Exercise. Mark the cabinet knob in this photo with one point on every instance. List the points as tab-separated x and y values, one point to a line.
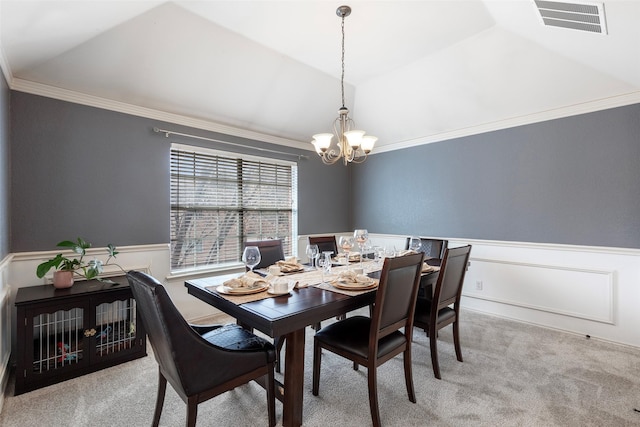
89	332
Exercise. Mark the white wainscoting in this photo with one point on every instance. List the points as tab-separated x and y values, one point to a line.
5	327
545	287
585	290
592	291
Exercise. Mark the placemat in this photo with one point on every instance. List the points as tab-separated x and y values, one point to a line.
308	278
241	299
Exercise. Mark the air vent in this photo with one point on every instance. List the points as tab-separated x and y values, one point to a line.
575	16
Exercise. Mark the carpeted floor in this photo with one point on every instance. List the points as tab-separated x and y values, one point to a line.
514	374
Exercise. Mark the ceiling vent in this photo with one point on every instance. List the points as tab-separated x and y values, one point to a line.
576	16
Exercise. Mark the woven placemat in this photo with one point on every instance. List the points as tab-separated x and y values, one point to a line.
241	299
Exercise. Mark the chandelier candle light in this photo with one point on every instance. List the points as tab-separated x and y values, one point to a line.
353	145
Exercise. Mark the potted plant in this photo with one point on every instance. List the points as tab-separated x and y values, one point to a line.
66	267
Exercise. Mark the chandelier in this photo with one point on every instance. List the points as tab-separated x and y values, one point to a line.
352	145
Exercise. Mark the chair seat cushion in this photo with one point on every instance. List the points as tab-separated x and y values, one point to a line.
423	313
234	337
352	335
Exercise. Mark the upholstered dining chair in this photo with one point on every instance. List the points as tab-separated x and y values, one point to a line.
433	315
325	243
271	251
372	341
200	362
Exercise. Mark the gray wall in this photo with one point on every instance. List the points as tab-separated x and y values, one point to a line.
83	171
80	171
5	169
574	180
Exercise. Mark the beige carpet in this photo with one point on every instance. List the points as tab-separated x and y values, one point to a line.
514	374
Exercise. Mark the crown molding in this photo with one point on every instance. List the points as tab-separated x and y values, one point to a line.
108	104
556	113
149	113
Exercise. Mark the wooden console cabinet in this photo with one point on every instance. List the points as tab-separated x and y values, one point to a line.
65	333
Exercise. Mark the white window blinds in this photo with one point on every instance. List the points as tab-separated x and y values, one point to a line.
220	201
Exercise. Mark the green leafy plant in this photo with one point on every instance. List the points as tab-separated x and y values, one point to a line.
88	270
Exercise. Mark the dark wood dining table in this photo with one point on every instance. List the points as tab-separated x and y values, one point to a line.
285	316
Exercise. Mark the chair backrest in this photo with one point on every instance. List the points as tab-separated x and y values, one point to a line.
432	248
271	251
325	243
451	277
162	321
396	296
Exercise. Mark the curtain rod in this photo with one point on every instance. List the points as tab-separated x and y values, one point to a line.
170	132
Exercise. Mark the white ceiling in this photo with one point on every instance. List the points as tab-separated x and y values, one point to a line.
415	72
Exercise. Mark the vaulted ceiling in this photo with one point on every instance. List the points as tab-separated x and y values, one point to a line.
415	71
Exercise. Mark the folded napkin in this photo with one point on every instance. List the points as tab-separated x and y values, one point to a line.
407	252
289	265
350	277
354	256
426	267
249	280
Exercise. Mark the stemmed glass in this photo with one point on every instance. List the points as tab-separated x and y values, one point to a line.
251	257
324	263
378	254
361	237
312	253
415	243
346	243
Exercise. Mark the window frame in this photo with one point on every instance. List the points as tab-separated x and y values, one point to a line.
230	155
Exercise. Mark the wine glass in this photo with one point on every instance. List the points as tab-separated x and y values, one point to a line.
324	263
346	243
312	253
415	243
361	237
251	257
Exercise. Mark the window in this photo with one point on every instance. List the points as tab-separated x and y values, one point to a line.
220	200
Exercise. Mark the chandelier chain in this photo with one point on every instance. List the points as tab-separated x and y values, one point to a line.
342	76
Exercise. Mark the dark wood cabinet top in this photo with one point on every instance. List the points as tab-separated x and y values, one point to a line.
31	294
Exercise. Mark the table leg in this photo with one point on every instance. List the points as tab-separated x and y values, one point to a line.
293	379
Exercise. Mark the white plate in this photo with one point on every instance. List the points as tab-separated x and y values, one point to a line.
240	291
350	286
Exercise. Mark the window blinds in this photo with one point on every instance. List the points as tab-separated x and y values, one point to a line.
219	202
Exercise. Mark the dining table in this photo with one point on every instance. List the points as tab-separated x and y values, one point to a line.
311	301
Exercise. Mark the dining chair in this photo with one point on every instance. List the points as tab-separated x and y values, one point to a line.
325	243
432	248
433	315
271	251
372	341
200	362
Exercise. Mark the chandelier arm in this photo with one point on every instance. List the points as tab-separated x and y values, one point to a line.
330	157
360	159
